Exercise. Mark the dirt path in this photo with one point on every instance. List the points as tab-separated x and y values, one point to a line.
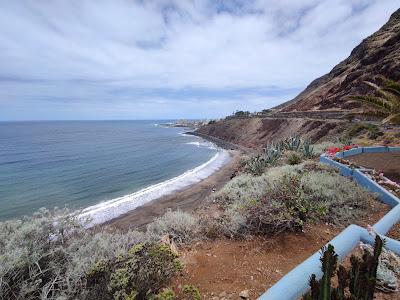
221	269
187	199
388	163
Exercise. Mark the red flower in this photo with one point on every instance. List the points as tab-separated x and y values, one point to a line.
332	150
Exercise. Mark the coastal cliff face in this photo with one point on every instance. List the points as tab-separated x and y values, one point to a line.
377	56
257	132
319	111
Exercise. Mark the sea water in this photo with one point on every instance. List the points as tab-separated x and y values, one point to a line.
104	167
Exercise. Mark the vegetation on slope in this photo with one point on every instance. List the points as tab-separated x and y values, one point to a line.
51	256
385	102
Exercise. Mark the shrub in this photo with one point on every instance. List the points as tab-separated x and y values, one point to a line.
241	190
141	272
191	292
182	227
372	130
285	207
166	294
287	197
51	255
342	198
293	158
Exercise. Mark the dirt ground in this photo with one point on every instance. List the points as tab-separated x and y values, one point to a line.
388	163
394	233
221	269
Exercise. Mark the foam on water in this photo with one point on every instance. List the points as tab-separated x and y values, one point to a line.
202	144
114	208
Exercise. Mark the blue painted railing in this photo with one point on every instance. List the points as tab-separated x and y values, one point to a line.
294	284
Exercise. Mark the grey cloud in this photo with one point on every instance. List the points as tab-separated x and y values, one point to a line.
126	53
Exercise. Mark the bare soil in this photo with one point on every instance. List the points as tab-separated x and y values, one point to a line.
394	233
388	163
223	268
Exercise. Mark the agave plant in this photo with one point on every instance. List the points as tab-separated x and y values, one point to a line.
273	152
308	148
256	165
385	101
292	143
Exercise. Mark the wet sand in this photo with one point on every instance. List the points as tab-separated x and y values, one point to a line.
186	199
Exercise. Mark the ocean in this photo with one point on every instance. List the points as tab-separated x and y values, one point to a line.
103	167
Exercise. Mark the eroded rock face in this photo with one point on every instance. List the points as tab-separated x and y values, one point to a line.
377	56
257	132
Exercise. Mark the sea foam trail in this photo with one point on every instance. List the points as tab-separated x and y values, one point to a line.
114	208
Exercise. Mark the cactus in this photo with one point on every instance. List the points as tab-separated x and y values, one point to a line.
360	280
329	263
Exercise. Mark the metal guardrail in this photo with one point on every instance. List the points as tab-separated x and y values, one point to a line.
294	284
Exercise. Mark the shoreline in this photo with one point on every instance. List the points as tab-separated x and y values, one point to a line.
186	199
221	143
109	210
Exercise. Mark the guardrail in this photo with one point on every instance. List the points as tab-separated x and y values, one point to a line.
294	284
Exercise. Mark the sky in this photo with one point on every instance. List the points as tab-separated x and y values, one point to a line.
160	59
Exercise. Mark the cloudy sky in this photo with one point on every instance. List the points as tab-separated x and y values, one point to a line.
159	59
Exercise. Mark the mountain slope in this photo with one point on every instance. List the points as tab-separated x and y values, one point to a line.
318	112
377	56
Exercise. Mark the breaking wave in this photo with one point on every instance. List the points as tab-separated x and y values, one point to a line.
114	208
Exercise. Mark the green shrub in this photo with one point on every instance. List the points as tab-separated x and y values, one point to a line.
191	292
51	255
293	158
166	294
371	130
142	272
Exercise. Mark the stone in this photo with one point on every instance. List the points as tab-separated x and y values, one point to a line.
222	295
244	294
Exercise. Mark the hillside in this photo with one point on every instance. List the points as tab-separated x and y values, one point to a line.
377	56
319	111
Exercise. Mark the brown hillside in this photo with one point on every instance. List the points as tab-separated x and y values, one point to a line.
377	56
257	132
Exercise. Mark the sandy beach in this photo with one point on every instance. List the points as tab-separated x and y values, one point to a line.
186	199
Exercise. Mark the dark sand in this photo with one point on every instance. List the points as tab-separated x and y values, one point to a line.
388	163
186	199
